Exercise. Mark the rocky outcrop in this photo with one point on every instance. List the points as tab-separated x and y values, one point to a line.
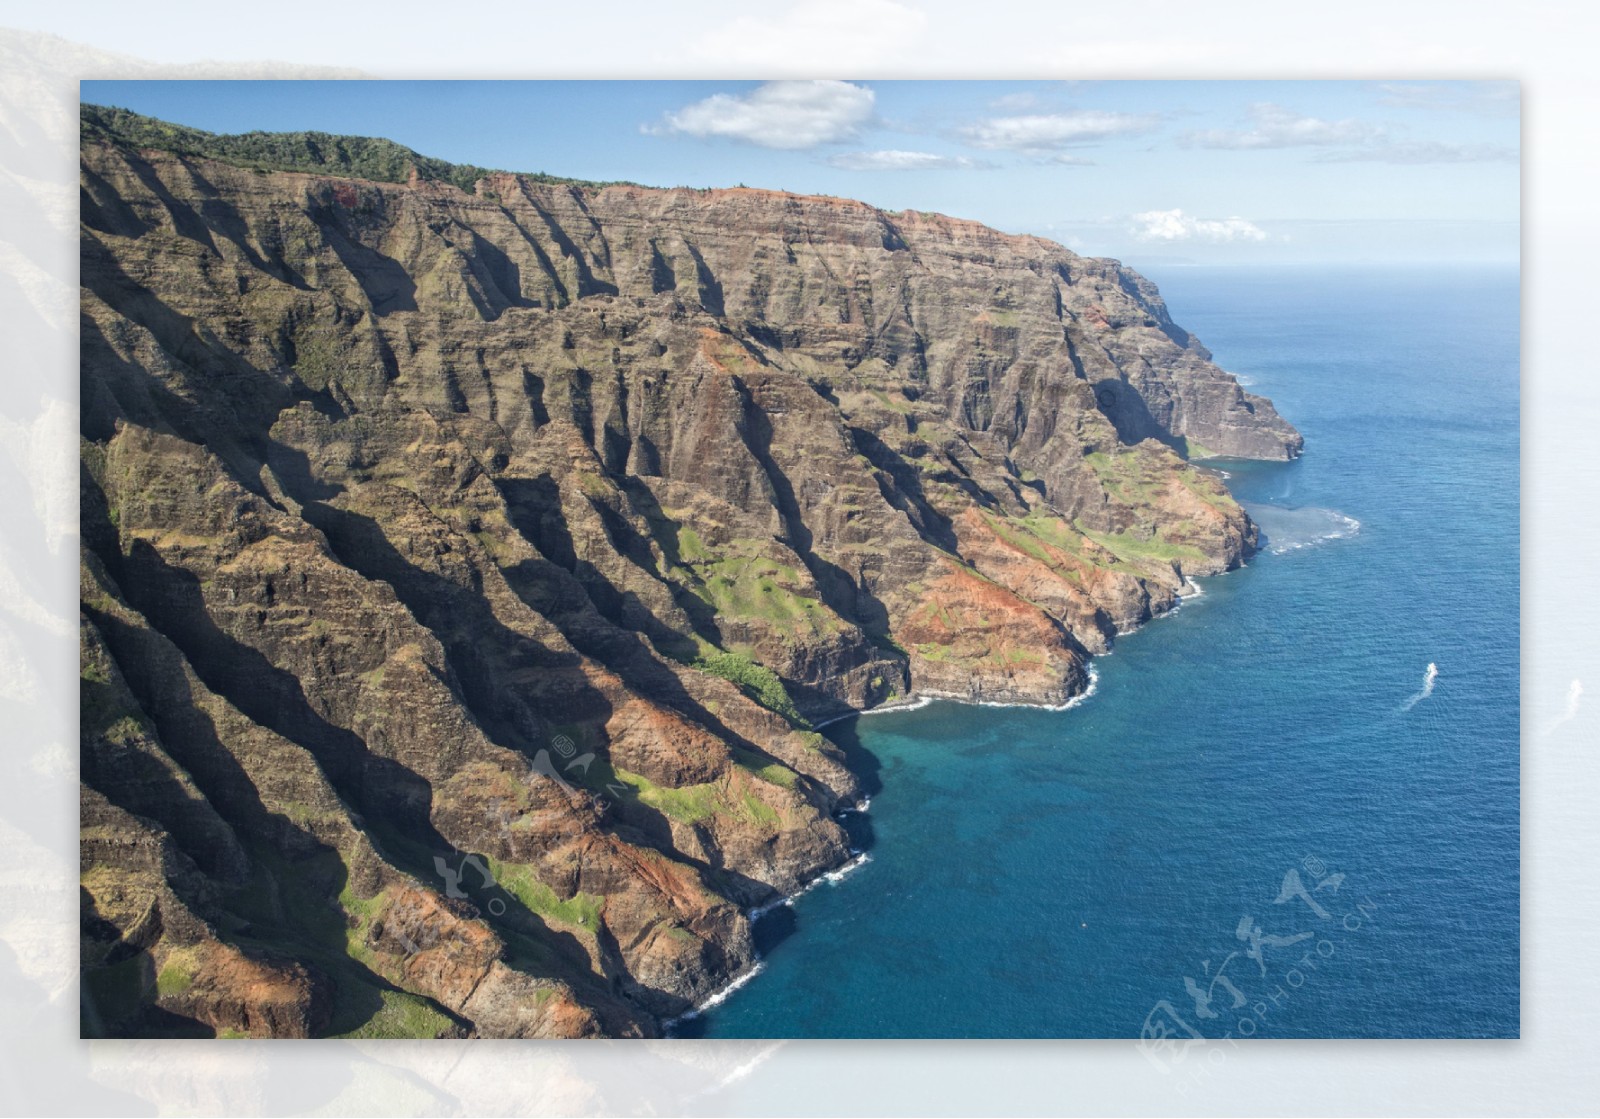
464	569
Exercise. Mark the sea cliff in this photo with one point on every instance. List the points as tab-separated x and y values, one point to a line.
468	556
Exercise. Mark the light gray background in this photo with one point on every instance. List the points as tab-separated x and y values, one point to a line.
45	1070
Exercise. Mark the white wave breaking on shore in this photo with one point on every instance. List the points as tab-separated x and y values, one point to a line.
922	699
722	994
831	877
860	807
717	997
1092	674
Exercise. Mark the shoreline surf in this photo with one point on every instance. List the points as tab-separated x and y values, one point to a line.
1191	588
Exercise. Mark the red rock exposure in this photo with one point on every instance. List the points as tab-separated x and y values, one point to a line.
467	557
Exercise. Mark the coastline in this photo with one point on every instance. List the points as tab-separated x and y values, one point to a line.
543	514
922	699
833	875
952	757
918	698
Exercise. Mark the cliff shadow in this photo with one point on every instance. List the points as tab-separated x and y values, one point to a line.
774	927
293	466
171	600
1130	414
218	214
867	767
907	495
241	401
645	825
116	994
533	507
286	902
709	287
553	275
291	907
533	945
664	532
587	282
490	665
138	783
500	275
842	593
185	222
382	279
485	659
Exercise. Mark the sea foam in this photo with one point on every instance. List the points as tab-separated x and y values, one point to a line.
1286	529
922	699
716	998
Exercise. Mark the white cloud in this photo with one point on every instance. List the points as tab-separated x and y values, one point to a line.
1277	127
904	161
1488	97
776	115
1043	132
1425	151
1015	102
1174	225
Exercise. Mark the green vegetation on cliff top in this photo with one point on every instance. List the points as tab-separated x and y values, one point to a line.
353	157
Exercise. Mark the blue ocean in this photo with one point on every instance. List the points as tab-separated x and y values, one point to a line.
1288	810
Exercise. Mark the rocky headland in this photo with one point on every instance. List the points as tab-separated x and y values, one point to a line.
468	556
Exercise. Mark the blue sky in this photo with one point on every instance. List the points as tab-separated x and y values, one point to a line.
1207	171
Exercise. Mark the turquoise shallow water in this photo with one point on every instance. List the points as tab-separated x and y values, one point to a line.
1061	874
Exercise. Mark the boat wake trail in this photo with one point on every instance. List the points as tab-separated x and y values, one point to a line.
1428	678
